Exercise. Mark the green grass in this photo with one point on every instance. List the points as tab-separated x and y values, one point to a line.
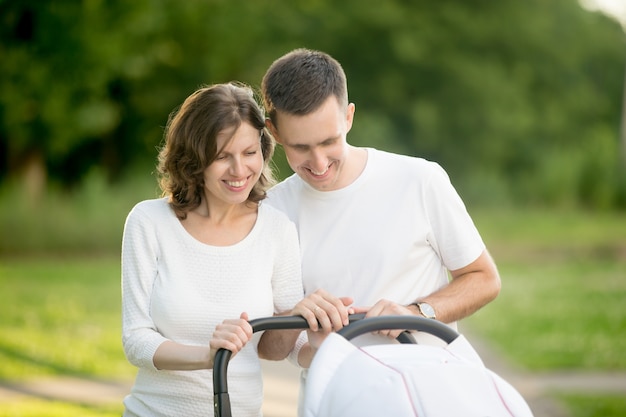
41	408
564	282
595	405
559	316
563	286
61	316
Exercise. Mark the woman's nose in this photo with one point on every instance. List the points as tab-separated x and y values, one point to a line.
236	166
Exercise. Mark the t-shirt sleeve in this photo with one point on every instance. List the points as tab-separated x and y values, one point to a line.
454	234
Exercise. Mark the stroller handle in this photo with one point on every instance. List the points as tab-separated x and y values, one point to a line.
422	324
221	399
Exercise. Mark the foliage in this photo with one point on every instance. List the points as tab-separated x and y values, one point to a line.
88	219
525	95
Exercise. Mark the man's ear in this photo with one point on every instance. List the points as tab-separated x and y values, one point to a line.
350	116
270	126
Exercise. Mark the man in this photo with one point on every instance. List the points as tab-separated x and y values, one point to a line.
388	230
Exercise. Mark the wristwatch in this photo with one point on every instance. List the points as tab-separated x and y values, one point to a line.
425	309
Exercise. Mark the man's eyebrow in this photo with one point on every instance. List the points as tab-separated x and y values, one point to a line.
326	141
331	139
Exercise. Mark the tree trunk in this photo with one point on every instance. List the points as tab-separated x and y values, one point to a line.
34	175
623	124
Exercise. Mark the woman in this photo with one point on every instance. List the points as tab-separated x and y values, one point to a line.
205	258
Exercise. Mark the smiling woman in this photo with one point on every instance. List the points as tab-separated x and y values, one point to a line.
200	262
197	136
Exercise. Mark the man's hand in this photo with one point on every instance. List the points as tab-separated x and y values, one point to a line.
386	308
324	309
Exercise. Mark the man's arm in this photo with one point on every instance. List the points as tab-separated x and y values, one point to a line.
471	288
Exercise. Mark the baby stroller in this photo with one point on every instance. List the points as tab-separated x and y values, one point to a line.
405	379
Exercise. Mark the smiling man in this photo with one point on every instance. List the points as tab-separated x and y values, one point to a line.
388	230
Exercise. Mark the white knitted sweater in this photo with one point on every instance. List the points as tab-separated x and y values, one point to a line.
177	288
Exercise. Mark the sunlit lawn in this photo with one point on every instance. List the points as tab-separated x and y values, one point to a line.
42	408
61	316
561	305
563	291
564	284
553	315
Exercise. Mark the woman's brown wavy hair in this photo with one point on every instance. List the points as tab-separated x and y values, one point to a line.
191	142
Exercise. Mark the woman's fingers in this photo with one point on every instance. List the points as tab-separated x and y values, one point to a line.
232	334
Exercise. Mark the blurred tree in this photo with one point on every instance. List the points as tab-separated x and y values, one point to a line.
504	94
616	10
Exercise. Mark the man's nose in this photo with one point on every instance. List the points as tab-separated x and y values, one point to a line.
318	161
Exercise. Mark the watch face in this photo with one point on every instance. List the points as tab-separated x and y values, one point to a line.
427	310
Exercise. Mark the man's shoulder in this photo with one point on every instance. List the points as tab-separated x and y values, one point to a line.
272	213
284	196
400	162
285	189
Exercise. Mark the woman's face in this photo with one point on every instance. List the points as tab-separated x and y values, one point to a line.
237	168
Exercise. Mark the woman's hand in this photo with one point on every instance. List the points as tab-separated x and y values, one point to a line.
231	334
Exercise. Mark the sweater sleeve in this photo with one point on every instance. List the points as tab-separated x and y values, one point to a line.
140	254
287	280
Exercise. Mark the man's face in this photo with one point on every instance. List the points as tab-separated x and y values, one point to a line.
315	144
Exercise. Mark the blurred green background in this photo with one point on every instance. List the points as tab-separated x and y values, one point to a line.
520	101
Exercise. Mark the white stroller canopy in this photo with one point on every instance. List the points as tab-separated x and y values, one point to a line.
406	380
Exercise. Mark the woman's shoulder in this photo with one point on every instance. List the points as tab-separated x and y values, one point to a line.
152	208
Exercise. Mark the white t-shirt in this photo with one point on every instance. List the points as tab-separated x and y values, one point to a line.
393	233
175	287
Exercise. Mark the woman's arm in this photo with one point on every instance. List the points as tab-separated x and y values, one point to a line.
230	334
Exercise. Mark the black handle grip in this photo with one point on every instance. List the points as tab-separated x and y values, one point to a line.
421	324
221	399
